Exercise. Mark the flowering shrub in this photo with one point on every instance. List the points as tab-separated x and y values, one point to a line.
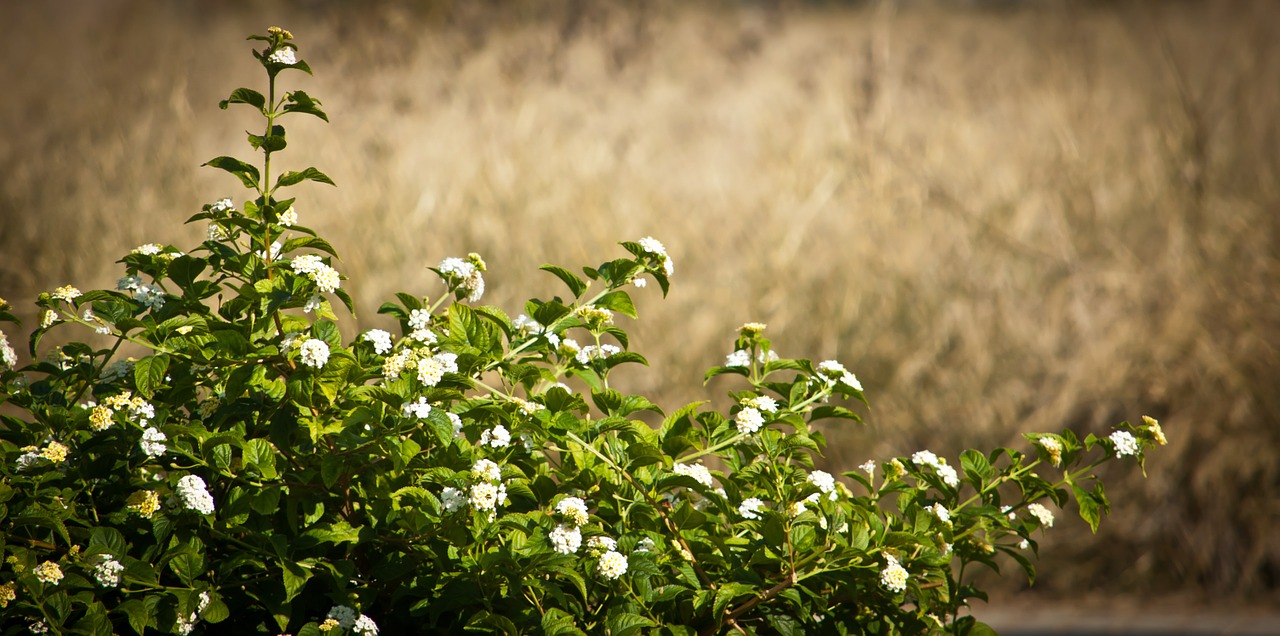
474	472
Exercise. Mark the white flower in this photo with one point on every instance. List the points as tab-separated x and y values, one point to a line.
393	366
327	279
652	246
739	358
893	577
948	474
1042	514
640	282
66	292
456	422
568	348
289	217
574	508
941	512
463	275
108	572
8	357
698	472
487	470
38	627
48	319
1008	511
150	295
924	458
222	205
763	403
527	325
486	497
283	55
869	466
1024	544
419	319
566	539
381	340
765	357
497	437
612	565
825	483
835	372
345	616
195	495
365	626
452	499
796	508
1124	443
153	442
425	336
420	409
1053	447
645	545
216	233
128	283
314	352
592	352
600	544
750	508
749	420
432	370
150	249
48	572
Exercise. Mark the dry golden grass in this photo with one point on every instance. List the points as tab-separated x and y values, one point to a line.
1002	220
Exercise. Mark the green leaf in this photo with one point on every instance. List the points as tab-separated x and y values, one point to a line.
300	102
106	541
576	285
294	178
294	577
557	622
244	96
624	623
248	174
139	615
262	455
619	301
149	373
728	592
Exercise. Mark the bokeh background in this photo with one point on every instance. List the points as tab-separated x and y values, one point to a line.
1004	216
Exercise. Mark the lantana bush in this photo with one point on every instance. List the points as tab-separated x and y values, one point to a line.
226	463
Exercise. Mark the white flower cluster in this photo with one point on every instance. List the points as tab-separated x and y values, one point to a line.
102	327
893	577
108	573
598	545
419	320
941	512
66	292
381	340
8	357
48	572
1053	447
566	538
751	508
834	372
749	420
153	442
698	472
456	422
150	249
869	466
739	358
1042	514
526	325
420	409
431	370
946	472
452	499
222	205
1124	443
825	482
195	495
653	246
573	508
612	565
464	275
314	352
496	437
488	494
348	618
283	55
326	278
150	295
289	218
592	352
763	403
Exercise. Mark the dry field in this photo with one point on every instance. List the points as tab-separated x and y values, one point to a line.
1003	219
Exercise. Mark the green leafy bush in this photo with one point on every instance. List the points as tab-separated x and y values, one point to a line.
252	471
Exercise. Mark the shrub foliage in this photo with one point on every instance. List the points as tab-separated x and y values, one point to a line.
250	470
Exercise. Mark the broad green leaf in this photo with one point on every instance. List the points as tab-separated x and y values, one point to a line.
244	96
293	178
619	301
149	374
247	174
576	285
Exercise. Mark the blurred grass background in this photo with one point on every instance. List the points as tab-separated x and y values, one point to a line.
1004	216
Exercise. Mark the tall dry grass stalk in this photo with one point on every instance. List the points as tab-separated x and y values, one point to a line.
1002	220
